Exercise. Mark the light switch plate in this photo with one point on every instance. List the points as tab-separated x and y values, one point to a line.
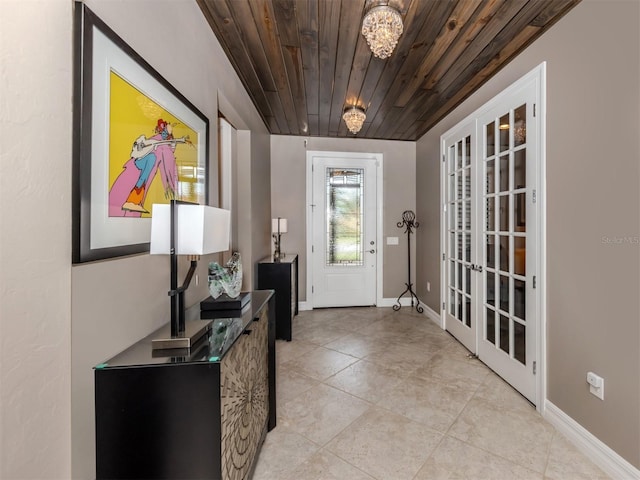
392	240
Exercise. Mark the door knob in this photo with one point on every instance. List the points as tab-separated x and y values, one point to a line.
372	251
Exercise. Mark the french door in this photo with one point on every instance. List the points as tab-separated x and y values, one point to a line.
344	230
459	157
491	251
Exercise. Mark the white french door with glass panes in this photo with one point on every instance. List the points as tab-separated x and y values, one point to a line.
491	166
459	150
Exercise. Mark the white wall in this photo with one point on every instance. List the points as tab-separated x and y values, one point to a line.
592	189
35	239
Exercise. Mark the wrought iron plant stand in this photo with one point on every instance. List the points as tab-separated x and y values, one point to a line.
409	223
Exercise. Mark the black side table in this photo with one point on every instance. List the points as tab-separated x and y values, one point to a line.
281	276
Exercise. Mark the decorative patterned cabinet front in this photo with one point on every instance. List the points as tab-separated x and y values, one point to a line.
282	276
203	414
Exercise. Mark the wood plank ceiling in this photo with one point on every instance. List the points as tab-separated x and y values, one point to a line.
304	61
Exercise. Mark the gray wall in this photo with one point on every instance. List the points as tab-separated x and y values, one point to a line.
288	197
112	304
592	184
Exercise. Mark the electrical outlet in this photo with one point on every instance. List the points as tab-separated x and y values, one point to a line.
197	280
596	385
428	286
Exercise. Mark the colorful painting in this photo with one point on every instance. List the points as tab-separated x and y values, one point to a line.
159	152
137	141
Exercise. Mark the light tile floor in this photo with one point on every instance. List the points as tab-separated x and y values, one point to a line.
369	393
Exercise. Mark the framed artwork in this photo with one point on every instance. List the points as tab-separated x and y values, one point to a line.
137	141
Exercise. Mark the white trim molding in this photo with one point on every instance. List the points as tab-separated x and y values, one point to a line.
432	314
602	455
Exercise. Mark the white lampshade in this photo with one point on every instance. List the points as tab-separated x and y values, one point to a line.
283	225
201	229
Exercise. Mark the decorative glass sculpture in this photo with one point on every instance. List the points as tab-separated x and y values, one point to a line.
226	279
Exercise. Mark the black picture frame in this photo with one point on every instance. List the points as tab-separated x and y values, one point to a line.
97	233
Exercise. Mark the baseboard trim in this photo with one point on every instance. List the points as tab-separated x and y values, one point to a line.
432	314
603	456
386	302
302	306
390	302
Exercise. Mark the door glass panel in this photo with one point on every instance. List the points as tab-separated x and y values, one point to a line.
520	169
491	251
452	214
459	305
344	216
452	273
467	151
491	176
504	293
467	182
504	253
504	173
519	344
459	283
459	216
490	138
491	326
504	132
452	302
452	158
520	212
467	273
504	333
491	288
459	146
504	213
459	193
452	187
520	256
460	239
467	248
491	217
520	125
467	215
452	245
519	299
467	311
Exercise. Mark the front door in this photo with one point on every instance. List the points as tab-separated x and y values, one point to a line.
344	249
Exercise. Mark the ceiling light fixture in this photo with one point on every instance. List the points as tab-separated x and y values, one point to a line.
382	27
354	117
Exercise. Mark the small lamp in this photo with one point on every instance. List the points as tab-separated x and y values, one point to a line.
278	226
182	228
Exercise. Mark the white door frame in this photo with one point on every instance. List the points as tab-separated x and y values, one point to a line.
539	75
378	159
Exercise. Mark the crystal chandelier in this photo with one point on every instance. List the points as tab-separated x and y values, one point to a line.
354	117
382	26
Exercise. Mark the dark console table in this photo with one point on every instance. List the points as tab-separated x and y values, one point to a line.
281	275
200	413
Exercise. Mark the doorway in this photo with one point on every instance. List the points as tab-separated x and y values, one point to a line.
343	256
493	288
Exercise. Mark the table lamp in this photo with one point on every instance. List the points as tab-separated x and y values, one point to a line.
182	228
278	226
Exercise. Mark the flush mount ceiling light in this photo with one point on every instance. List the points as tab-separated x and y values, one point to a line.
354	117
382	27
